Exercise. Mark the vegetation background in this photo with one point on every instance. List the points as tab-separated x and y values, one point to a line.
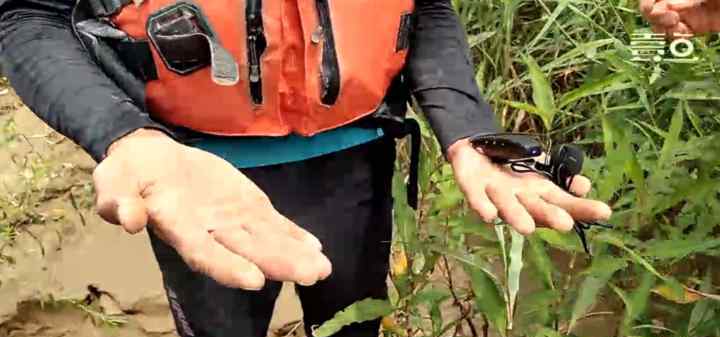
565	70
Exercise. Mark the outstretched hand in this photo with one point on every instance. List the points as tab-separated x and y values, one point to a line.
524	201
218	221
672	17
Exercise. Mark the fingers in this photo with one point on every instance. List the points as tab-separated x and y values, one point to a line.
510	209
578	208
669	17
662	15
679	5
646	6
281	260
580	186
231	214
298	232
546	214
280	248
659	29
204	255
118	198
679	30
481	203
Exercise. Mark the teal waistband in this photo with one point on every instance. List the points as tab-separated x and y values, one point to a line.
246	152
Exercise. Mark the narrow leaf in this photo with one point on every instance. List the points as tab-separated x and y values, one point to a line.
611	239
500	232
565	241
517	242
668	293
523	106
677	249
702	311
365	310
706	90
562	5
602	268
541	261
542	92
614	82
672	137
578	54
637	300
488	297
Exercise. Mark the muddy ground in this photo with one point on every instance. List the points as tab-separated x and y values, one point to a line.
69	273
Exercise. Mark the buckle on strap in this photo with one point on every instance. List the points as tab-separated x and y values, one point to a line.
103	8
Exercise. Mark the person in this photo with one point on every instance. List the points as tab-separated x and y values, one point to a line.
247	137
672	17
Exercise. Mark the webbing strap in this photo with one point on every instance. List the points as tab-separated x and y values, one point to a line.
412	128
398	127
134	54
103	8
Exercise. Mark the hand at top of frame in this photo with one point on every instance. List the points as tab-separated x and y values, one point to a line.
672	17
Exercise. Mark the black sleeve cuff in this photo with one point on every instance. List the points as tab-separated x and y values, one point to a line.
467	117
441	75
106	134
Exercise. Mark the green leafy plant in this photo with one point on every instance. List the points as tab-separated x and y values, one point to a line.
564	69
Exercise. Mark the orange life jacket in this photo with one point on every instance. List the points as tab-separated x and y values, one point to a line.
278	66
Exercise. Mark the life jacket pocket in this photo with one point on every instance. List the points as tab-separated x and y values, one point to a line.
185	42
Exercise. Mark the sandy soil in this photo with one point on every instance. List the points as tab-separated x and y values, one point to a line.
74	276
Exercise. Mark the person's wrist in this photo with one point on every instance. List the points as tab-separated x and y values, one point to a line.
136	137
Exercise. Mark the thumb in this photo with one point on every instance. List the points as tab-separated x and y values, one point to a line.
132	214
118	197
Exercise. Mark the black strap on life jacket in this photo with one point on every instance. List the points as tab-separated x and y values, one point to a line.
104	8
399	127
411	127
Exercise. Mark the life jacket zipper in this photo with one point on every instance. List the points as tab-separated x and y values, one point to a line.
330	70
256	45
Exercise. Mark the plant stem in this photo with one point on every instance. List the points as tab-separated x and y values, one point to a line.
456	301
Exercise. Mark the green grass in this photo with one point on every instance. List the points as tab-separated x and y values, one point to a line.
564	70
